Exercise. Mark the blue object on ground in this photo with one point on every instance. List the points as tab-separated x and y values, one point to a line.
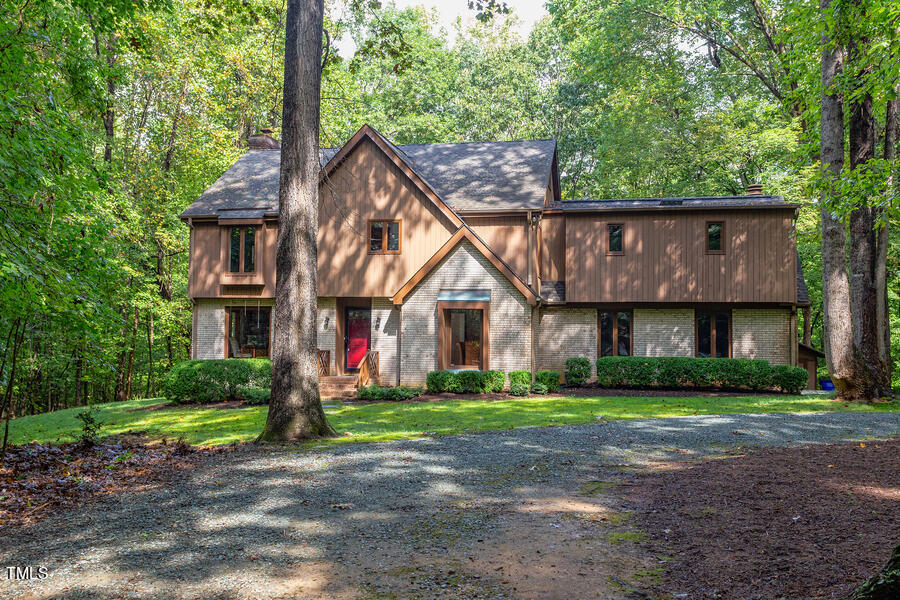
827	385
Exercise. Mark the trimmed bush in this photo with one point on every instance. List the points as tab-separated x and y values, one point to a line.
255	395
539	388
204	381
549	379
376	393
496	381
439	382
471	382
790	379
519	389
578	370
520	378
680	372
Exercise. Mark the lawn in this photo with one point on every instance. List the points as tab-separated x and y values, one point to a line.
394	421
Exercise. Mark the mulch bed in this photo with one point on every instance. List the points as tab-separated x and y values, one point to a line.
804	522
39	479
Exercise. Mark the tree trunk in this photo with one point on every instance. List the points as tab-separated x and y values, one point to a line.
149	392
807	326
839	351
295	409
884	585
130	373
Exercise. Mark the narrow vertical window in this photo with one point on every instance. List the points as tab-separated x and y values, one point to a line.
623	341
249	250
241	250
234	252
615	244
614	333
384	237
713	330
715	233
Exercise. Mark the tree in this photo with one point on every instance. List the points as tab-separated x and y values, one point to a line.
295	408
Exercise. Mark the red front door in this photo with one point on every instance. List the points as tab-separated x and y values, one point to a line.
356	340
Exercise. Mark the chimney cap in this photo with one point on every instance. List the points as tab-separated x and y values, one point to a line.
263	141
755	189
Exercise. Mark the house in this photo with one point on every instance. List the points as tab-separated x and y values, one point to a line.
462	255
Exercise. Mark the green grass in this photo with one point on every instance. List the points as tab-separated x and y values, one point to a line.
395	421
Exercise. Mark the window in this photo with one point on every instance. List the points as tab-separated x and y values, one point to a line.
384	237
713	332
463	335
614	333
715	238
248	332
615	234
242	250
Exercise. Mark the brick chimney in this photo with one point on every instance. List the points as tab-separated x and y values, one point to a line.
754	189
263	141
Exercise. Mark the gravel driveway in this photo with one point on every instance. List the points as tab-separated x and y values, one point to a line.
513	514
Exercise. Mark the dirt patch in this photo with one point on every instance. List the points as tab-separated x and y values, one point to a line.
37	480
806	522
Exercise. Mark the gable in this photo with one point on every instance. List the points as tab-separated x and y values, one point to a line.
366	185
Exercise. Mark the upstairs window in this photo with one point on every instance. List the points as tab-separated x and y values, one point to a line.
384	237
615	233
715	237
713	334
614	333
242	250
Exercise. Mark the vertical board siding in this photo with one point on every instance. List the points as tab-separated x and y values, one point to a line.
368	186
552	232
507	237
665	259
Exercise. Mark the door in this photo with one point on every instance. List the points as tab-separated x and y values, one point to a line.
358	328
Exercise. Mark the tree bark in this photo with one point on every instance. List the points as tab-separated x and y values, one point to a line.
884	585
295	408
839	348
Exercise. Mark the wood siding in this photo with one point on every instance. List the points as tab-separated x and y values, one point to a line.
507	237
209	276
368	186
665	259
552	244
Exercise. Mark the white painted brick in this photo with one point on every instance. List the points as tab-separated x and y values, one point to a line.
565	333
663	332
763	333
209	337
464	268
326	315
385	328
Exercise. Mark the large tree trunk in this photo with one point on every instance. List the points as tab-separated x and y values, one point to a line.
840	354
295	409
884	585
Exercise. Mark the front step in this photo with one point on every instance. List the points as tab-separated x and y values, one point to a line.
337	387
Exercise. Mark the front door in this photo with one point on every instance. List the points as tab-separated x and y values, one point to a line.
358	328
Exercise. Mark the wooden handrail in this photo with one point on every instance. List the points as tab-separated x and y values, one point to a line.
368	369
324	361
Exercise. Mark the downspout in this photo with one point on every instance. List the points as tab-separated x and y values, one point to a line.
399	343
530	226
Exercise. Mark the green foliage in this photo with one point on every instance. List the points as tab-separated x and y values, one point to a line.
439	382
205	381
254	395
399	393
519	389
578	370
90	427
702	373
495	381
521	377
548	379
539	388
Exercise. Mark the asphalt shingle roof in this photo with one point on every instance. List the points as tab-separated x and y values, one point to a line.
467	176
667	203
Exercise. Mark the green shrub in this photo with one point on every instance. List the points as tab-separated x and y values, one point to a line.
549	379
439	382
578	370
679	372
90	427
539	388
472	382
519	389
496	381
520	378
203	381
375	393
254	395
790	379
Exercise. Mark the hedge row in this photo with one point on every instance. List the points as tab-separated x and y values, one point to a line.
203	381
376	393
725	374
465	382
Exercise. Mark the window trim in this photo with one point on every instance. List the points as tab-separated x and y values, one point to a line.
384	237
229	308
615	252
712	332
721	237
444	331
615	311
243	235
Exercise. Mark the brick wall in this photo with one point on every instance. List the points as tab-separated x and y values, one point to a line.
663	332
326	318
385	327
510	315
209	329
565	333
762	333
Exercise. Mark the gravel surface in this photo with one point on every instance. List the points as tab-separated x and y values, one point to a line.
513	514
